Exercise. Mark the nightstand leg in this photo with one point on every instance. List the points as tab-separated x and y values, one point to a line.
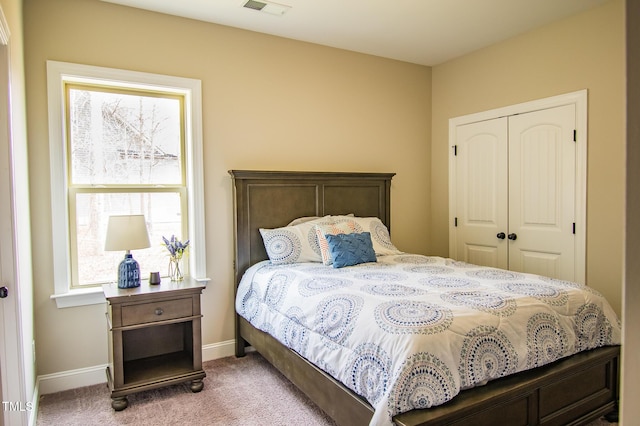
119	403
196	385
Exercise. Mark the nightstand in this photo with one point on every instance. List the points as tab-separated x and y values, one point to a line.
154	337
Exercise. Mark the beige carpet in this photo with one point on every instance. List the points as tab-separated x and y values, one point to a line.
237	391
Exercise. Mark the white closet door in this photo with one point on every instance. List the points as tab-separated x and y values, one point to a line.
481	194
542	171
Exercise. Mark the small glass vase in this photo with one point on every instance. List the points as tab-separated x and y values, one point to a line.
175	269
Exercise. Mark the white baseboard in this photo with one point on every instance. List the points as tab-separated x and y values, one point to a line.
218	350
71	379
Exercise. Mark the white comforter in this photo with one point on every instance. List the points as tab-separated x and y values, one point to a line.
410	331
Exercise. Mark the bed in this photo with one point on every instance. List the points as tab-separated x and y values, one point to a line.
572	390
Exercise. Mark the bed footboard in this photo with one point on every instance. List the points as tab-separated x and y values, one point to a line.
572	391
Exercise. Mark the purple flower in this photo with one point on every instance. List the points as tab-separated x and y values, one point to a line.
175	247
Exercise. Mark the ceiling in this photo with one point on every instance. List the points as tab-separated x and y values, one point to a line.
426	32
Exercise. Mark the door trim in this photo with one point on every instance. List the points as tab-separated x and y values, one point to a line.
11	386
17	389
579	99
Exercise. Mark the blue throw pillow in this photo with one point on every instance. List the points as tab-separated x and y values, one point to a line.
351	249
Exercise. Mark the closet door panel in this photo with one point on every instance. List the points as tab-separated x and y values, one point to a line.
482	192
542	169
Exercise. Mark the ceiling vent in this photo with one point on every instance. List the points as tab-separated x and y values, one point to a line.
267	7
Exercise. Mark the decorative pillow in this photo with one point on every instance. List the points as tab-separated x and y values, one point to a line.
338	226
350	249
382	244
291	244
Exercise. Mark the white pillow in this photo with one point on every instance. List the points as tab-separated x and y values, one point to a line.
292	244
303	219
380	237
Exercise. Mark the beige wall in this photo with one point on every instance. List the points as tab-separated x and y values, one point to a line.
268	103
582	52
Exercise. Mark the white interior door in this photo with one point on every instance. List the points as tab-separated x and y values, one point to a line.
482	185
14	405
542	173
7	304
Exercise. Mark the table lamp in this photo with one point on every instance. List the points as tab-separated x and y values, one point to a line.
127	232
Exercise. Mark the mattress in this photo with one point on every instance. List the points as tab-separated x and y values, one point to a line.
411	331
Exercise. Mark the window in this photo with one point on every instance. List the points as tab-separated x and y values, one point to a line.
121	142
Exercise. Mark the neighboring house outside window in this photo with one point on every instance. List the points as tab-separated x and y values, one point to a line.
121	142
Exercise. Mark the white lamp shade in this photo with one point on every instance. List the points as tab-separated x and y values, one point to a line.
127	232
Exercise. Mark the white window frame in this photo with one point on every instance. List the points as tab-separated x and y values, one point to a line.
59	73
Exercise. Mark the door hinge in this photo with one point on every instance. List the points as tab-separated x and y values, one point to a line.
455	150
575	135
574	227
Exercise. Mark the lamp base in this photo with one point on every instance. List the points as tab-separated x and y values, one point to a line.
128	272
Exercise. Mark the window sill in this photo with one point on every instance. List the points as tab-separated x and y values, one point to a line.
90	296
81	297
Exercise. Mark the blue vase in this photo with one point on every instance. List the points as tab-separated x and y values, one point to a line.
128	272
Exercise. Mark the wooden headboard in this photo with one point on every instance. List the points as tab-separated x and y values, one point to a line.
271	199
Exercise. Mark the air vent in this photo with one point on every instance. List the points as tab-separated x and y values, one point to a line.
267	7
255	5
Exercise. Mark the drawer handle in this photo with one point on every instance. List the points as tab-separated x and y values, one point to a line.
158	311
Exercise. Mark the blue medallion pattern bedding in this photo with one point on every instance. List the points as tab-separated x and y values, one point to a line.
410	332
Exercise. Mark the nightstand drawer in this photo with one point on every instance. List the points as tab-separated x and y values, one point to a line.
156	311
